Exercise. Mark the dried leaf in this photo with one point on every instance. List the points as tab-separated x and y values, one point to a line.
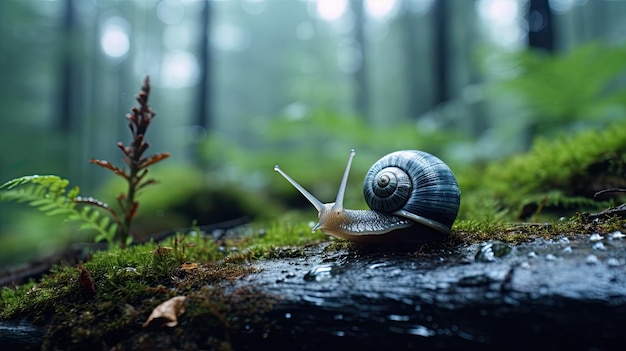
166	314
162	250
153	159
86	282
108	165
189	266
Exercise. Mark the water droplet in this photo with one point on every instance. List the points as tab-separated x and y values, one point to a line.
532	254
127	271
376	265
595	237
398	318
316	300
321	273
550	257
421	331
613	262
287	315
591	259
492	251
339	333
567	249
338	317
599	246
396	272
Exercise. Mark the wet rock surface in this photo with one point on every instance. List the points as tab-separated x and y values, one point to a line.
567	293
563	294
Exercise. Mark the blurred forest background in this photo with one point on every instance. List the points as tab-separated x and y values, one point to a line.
241	85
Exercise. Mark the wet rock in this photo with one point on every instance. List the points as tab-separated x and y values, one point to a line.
562	294
540	295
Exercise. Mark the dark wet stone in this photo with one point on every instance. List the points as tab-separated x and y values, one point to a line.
539	295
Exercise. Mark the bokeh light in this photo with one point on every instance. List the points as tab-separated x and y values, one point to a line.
114	37
331	10
381	9
179	69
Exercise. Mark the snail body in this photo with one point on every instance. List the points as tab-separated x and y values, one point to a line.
413	196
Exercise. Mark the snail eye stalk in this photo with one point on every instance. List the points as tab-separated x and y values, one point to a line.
344	182
312	199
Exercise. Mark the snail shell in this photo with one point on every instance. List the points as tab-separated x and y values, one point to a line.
417	183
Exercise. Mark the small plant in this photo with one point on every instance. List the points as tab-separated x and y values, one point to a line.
49	193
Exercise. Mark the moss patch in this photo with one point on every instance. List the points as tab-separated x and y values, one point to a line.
557	177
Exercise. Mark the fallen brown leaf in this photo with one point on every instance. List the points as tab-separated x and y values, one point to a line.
87	286
189	266
166	314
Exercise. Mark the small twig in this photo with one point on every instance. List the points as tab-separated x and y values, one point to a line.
609	191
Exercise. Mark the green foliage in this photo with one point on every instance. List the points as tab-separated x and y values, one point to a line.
139	120
580	85
49	194
558	175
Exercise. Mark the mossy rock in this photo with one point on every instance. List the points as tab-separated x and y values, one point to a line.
557	177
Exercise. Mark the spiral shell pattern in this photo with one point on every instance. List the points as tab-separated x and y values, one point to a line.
414	181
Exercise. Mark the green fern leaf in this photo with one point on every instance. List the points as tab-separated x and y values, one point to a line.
49	195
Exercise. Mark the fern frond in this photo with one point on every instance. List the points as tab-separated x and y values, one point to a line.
49	195
49	181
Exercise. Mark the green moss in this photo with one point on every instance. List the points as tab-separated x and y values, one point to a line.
129	284
557	177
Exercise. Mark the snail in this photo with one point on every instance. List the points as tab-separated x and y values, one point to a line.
413	195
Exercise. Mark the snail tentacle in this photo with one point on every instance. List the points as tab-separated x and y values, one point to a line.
344	181
312	199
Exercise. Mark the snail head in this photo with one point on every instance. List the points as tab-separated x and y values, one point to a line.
330	215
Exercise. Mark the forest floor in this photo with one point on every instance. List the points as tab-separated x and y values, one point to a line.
567	291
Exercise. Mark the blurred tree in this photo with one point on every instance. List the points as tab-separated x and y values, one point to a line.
204	117
360	74
68	69
540	29
440	50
